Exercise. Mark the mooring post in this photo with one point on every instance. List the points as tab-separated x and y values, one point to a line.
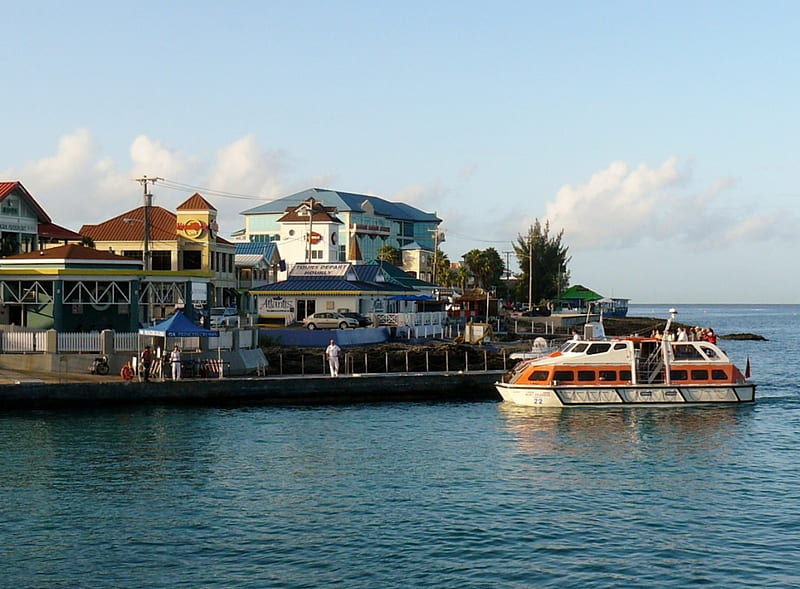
427	364
466	361
366	368
406	360
386	356
485	361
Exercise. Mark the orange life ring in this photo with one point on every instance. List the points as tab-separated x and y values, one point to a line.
127	372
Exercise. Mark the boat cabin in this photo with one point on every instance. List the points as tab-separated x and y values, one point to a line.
629	361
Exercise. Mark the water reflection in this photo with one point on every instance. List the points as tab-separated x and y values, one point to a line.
619	432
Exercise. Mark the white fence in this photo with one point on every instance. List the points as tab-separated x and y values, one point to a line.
79	342
20	342
23	341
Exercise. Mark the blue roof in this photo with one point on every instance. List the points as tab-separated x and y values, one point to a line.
346	202
256	248
314	284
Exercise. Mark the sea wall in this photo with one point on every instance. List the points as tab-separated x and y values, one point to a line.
271	390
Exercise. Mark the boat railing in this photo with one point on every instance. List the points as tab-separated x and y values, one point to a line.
650	369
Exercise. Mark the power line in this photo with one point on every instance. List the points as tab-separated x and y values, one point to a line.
173	185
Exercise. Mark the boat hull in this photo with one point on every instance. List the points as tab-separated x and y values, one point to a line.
576	396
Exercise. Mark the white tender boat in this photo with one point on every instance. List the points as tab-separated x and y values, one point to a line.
628	371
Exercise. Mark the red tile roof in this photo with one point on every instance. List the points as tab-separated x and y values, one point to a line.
51	231
195	203
70	251
129	226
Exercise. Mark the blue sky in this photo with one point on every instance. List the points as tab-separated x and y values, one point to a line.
661	137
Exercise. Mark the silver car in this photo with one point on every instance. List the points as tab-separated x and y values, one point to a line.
329	320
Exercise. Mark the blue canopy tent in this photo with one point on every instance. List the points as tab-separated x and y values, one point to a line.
178	325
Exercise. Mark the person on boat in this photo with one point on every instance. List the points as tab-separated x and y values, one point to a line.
711	337
575	336
332	353
682	337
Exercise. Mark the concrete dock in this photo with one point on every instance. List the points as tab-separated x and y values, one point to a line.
31	390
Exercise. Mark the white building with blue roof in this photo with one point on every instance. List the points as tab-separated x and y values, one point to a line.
360	225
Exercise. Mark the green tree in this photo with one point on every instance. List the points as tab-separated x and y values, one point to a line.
486	266
550	260
443	274
389	253
462	276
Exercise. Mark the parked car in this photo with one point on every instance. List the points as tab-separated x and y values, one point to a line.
329	320
362	320
224	317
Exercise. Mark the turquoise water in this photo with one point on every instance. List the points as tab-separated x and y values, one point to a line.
416	495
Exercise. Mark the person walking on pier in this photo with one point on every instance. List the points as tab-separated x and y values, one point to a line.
332	353
175	360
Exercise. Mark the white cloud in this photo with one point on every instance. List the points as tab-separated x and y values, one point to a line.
623	207
243	167
77	186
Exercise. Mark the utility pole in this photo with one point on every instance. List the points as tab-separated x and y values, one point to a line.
435	232
148	202
508	262
310	229
530	270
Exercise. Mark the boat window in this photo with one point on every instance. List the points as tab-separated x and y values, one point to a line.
567	347
686	352
620	346
579	348
625	375
679	374
608	374
708	351
539	375
698	374
718	374
586	375
564	375
598	348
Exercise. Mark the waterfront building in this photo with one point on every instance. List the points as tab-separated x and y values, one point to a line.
343	227
184	245
20	219
336	286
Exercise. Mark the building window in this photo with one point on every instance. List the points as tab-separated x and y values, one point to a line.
161	260
192	260
316	254
135	254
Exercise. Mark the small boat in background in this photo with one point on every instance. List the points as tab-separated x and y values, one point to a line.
628	371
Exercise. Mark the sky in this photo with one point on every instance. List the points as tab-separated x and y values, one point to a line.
662	138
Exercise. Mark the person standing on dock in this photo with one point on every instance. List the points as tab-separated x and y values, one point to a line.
175	360
147	362
332	353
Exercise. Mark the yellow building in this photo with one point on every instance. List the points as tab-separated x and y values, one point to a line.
174	248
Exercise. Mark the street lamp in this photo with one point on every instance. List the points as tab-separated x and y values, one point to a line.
146	241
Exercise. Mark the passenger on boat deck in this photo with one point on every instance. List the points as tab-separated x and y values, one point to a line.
575	336
682	335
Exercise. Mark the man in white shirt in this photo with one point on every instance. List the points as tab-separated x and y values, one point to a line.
175	360
332	353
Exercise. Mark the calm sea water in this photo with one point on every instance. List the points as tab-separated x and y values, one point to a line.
417	495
